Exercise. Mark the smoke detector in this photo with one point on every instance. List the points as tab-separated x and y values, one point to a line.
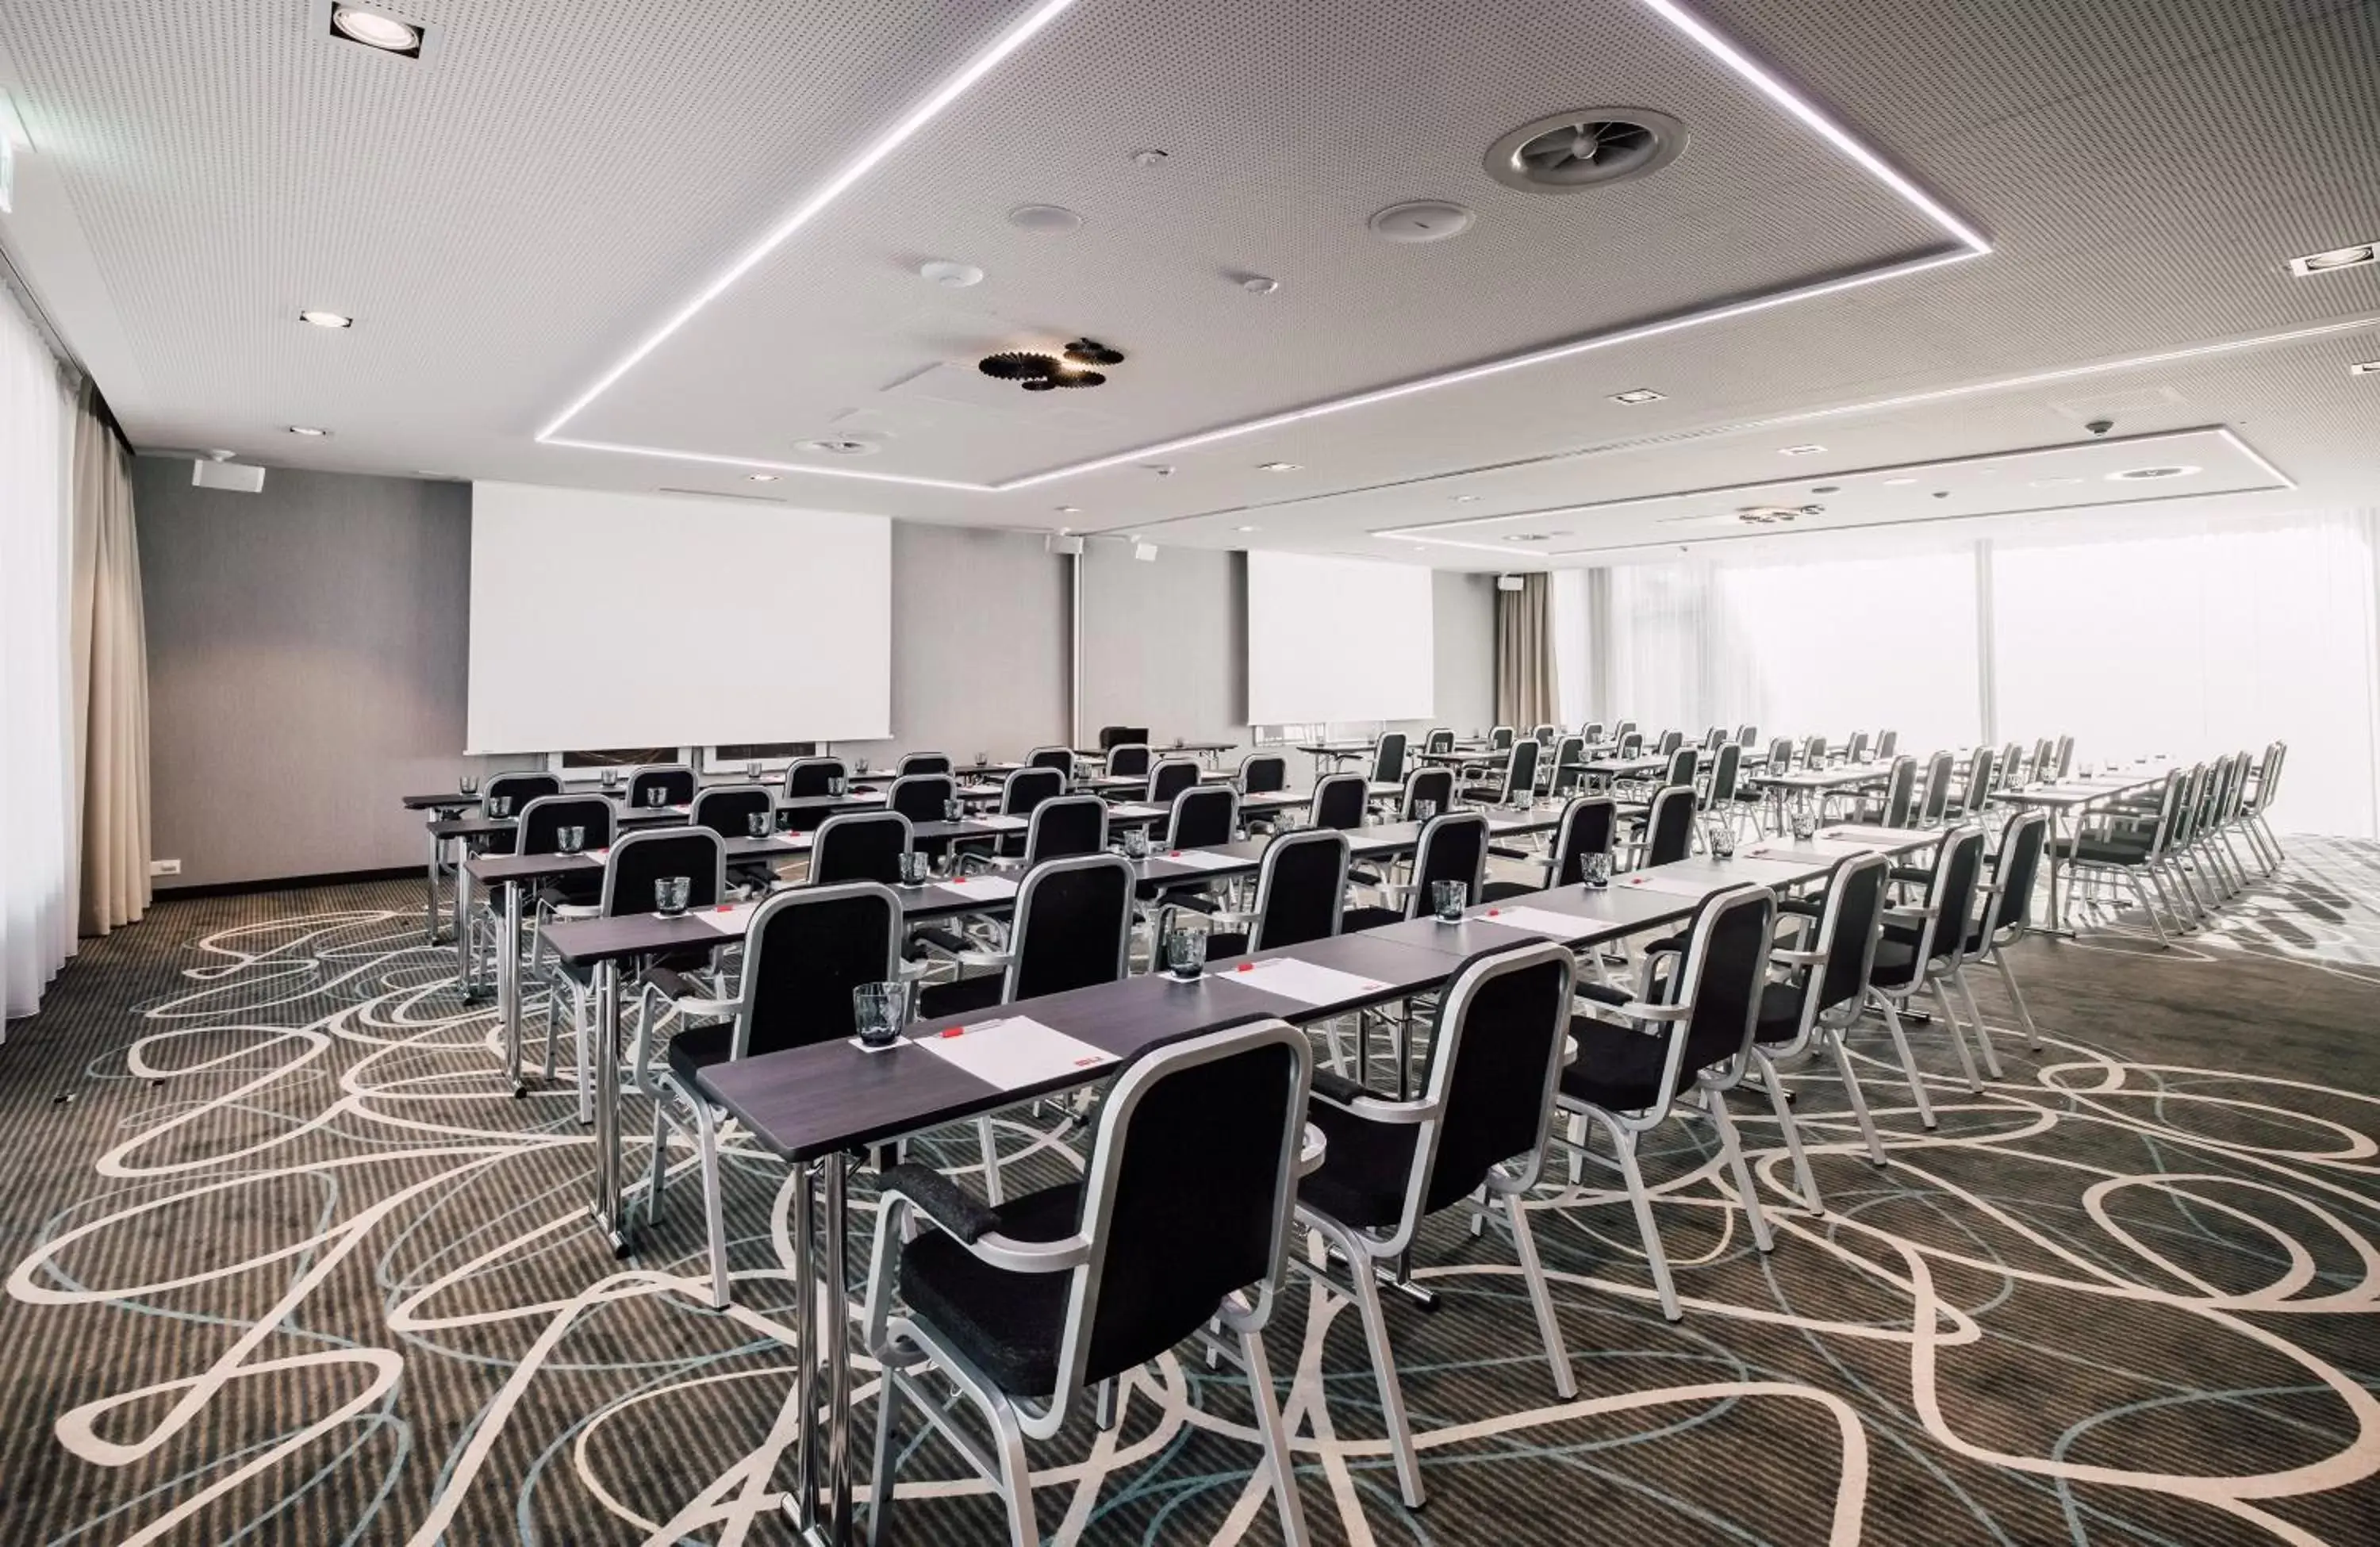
1423	219
1585	148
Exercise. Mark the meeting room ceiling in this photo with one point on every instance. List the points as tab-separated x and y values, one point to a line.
678	246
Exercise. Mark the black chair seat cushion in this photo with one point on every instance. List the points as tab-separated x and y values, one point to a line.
1369	918
1009	1324
1905	936
572	891
960	995
1223	944
700	1047
1896	963
1617	1067
1780	1012
1362	1180
1497	891
1486	794
2099	851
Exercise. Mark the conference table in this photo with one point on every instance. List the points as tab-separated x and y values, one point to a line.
2066	802
601	946
814	1107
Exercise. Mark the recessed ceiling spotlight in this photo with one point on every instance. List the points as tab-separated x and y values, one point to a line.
2143	475
2353	257
1259	284
948	275
306	430
1466	499
1899	482
1163	470
1634	395
374	30
326	319
1527	536
1423	219
761	478
1070	510
1045	218
2368	368
1247	529
1799	450
1149	158
1825	488
1278	466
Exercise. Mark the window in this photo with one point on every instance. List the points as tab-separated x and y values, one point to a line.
772	756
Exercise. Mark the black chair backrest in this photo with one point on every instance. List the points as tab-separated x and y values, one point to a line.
1439	740
1520	770
1192	1181
1588	826
2065	755
1073	925
1027	788
1670	826
809	775
1631	745
1623	727
1957	869
1112	736
1128	760
1433	784
1064	825
1746	735
805	950
2015	869
673	780
1900	791
520	788
728	810
1780	756
1850	926
1170	778
1682	766
1203	816
923	762
544	817
1725	771
1263	773
1568	751
1301	888
638	859
1543	734
859	846
1500	737
1453	848
1389	758
1979	781
922	797
1726	963
1814	752
1887	742
1496	1055
1060	758
1937	788
1337	801
1670	741
1857	750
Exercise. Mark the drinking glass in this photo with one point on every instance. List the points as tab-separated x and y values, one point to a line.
760	824
670	893
752	769
914	868
1185	953
1425	809
834	783
500	806
1595	868
1722	840
657	797
468	783
859	766
570	840
983	759
1805	820
1135	845
1449	898
878	1011
611	778
953	810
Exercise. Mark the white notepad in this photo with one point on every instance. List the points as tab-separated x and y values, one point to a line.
1820	853
867	797
987	888
729	917
1135	808
1012	1053
979	789
1875	837
1004	823
1301	980
1535	920
1675	886
1198	859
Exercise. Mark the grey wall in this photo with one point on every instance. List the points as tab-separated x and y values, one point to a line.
979	623
306	666
1465	637
1165	643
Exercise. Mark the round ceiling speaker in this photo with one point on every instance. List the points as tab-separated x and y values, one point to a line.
948	275
1017	365
1593	146
1423	219
1044	218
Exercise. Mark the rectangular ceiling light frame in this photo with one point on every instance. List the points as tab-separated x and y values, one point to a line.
1968	242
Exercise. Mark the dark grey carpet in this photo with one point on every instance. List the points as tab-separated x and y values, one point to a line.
287	1266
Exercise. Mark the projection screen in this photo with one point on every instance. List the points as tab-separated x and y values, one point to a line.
1335	640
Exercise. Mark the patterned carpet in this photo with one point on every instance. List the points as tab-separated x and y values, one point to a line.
287	1265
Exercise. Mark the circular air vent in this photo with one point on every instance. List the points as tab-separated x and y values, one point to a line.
1596	145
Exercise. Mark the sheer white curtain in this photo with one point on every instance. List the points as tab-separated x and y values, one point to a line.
37	924
2197	639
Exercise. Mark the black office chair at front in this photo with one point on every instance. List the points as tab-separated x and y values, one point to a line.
1454	847
859	846
1183	1220
1301	894
1477	1127
512	792
805	950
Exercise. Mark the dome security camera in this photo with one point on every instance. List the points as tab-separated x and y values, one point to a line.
2100	426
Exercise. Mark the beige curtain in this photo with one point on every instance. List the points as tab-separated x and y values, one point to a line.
1525	655
111	683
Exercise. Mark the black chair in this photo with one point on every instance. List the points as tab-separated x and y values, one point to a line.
923	762
1822	988
1671	740
520	790
1112	736
1562	774
1338	800
1519	784
1389	758
804	952
1203	817
1667	833
1589	824
2006	914
1454	847
1499	737
1746	735
859	846
1689	1027
728	810
1263	773
1064	825
662	783
1060	758
1856	751
1183	1219
807	778
922	797
1895	805
1887	742
1430	786
1479	1126
1439	740
1937	800
1168	778
1020	794
1921	950
1969	805
1128	761
539	831
1301	894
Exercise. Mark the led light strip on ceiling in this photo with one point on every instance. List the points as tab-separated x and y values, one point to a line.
1969	243
1422	533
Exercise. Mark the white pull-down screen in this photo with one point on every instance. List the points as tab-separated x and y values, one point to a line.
1334	639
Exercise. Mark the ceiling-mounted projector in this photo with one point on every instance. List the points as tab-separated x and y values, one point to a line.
1510	582
221	472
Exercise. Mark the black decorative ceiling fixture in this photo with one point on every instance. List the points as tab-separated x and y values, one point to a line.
1036	372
